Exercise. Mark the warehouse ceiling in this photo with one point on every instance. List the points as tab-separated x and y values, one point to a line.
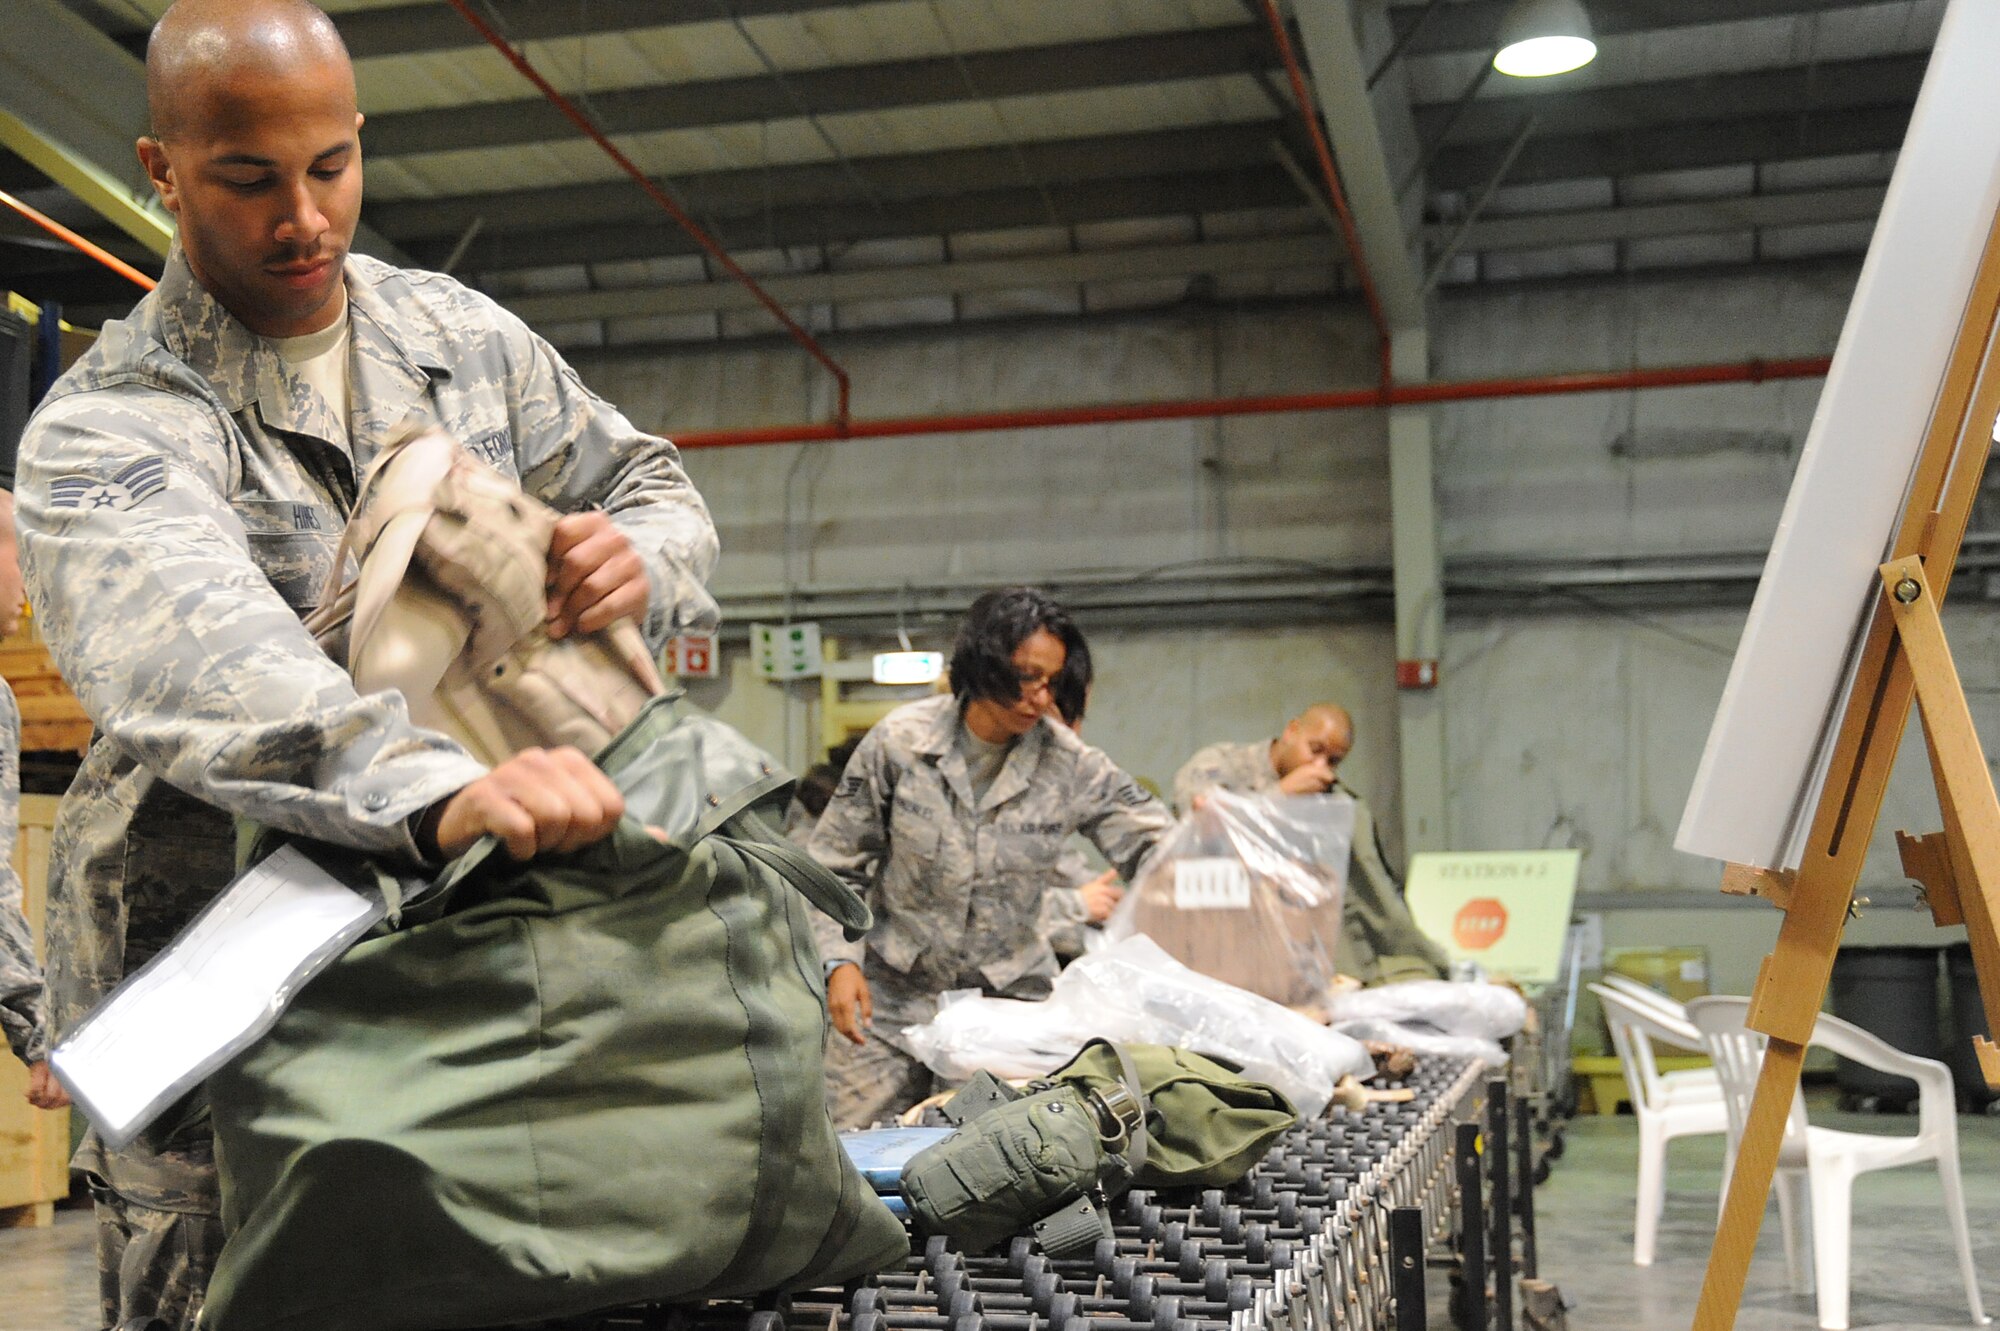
916	162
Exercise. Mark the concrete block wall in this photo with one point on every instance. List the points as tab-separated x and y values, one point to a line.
1562	729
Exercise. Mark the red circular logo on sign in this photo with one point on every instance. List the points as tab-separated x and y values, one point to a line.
1479	924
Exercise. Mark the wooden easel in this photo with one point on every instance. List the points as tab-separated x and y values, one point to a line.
1904	656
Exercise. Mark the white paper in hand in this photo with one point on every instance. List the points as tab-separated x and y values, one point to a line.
211	994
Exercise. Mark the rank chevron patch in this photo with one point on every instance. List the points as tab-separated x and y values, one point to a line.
139	481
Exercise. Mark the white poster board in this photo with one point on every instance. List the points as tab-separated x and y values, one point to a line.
1768	752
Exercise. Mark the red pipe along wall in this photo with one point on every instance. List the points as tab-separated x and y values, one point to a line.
1399	395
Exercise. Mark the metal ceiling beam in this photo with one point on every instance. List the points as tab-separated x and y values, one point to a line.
422	28
1802	91
1474	26
930	81
18	177
1253	187
1678	147
1691	217
72	105
426	28
748	192
1340	81
1018	273
71	285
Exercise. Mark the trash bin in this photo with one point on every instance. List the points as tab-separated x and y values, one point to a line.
1968	1019
1891	992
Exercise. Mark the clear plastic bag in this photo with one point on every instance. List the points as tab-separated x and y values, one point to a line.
1423	1040
1014	1038
1454	1007
1132	990
1453	1018
1247	889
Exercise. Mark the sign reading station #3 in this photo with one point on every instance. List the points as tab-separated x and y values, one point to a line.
1507	910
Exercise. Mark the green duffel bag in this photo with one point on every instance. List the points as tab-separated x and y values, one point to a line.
584	1081
1046	1161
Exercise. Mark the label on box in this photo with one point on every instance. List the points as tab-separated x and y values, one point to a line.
1214	884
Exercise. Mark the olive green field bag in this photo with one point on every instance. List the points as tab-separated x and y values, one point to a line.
1047	1160
588	1080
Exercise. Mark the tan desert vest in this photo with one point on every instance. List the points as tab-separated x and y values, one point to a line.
449	607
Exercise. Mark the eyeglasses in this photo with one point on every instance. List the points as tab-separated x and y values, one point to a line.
1033	682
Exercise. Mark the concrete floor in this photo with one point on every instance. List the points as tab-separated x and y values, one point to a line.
1904	1275
48	1277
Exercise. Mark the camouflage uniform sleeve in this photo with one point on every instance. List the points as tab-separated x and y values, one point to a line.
852	837
21	1009
1063	910
1116	813
1203	772
578	451
1399	930
182	652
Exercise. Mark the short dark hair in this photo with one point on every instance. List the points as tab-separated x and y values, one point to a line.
815	789
1071	688
982	659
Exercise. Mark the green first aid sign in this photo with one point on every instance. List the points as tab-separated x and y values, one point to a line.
1507	910
786	651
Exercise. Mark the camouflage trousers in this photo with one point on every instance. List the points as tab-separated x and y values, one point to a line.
159	1218
872	1082
878	1079
152	1263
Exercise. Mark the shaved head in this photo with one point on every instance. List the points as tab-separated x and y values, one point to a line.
1322	714
201	45
256	152
1323	732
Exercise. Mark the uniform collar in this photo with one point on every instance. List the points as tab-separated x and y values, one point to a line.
935	740
1019	770
939	742
392	356
396	353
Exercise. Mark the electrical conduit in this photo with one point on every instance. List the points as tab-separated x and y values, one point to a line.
702	238
1395	395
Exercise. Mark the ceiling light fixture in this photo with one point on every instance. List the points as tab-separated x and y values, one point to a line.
1543	37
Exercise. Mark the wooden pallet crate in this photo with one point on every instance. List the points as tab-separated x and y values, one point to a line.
52	719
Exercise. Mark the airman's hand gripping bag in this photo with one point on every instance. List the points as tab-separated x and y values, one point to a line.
583	1081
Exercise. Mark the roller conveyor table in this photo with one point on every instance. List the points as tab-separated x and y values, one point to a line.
1313	1239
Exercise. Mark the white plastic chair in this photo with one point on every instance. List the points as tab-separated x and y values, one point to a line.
1665	1108
1825	1161
1687	1083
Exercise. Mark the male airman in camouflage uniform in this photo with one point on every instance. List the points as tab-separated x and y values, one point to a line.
21	1006
20	974
953	836
1379	939
183	489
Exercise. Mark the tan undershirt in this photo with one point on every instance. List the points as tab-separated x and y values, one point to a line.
321	360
